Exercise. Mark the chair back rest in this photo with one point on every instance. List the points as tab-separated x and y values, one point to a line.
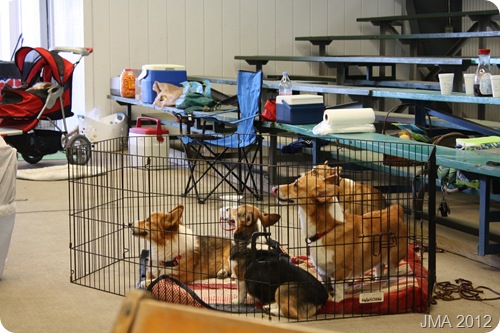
249	90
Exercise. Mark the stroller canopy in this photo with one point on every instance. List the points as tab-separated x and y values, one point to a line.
40	65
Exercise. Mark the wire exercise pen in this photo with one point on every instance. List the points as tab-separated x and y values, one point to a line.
110	251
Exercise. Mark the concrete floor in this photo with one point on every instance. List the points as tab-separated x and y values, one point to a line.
36	294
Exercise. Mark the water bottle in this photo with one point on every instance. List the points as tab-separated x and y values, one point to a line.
482	80
285	87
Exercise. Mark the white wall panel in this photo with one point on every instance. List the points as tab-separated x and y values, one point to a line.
266	30
154	31
105	65
284	33
336	26
177	32
301	21
231	32
212	34
319	27
139	32
195	39
248	39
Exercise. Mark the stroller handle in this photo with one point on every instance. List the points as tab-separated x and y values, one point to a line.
83	51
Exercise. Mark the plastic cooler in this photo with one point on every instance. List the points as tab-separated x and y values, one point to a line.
148	145
173	74
299	109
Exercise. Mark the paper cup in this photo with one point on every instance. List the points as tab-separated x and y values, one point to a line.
469	83
446	83
495	85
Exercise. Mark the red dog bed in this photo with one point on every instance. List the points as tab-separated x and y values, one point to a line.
408	292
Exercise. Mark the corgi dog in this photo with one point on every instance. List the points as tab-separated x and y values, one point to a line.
266	273
355	197
343	246
40	86
176	251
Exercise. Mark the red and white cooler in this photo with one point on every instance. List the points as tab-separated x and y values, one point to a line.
148	144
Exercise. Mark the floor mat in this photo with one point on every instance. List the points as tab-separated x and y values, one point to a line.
57	172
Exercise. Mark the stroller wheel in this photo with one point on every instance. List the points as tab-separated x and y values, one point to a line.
78	150
32	159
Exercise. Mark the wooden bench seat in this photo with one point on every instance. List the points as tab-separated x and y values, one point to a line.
482	19
411	39
302	86
474	15
342	63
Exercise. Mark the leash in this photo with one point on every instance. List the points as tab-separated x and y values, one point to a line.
463	289
172	263
274	245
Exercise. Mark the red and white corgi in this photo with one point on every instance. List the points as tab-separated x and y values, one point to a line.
176	251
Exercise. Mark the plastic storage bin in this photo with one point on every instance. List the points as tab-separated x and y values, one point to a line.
148	145
299	109
173	74
105	128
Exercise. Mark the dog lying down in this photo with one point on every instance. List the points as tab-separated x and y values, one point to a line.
266	273
355	197
176	251
344	246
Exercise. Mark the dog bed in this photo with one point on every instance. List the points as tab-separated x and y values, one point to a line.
406	293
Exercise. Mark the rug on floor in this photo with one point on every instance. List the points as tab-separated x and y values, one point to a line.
57	172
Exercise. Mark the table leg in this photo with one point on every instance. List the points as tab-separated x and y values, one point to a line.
273	148
484	208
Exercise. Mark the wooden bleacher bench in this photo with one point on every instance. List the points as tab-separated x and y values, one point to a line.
342	64
482	19
299	86
407	84
411	39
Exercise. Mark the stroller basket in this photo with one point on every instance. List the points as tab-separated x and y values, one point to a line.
37	142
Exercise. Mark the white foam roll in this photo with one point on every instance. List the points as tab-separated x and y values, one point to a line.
340	117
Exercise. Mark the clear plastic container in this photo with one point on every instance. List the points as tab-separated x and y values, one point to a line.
127	83
285	87
482	80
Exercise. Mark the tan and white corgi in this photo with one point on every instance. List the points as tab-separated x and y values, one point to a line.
345	247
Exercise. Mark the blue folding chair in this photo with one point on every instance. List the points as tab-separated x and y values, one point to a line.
235	158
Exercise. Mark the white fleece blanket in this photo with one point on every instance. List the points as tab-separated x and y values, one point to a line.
8	167
58	172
